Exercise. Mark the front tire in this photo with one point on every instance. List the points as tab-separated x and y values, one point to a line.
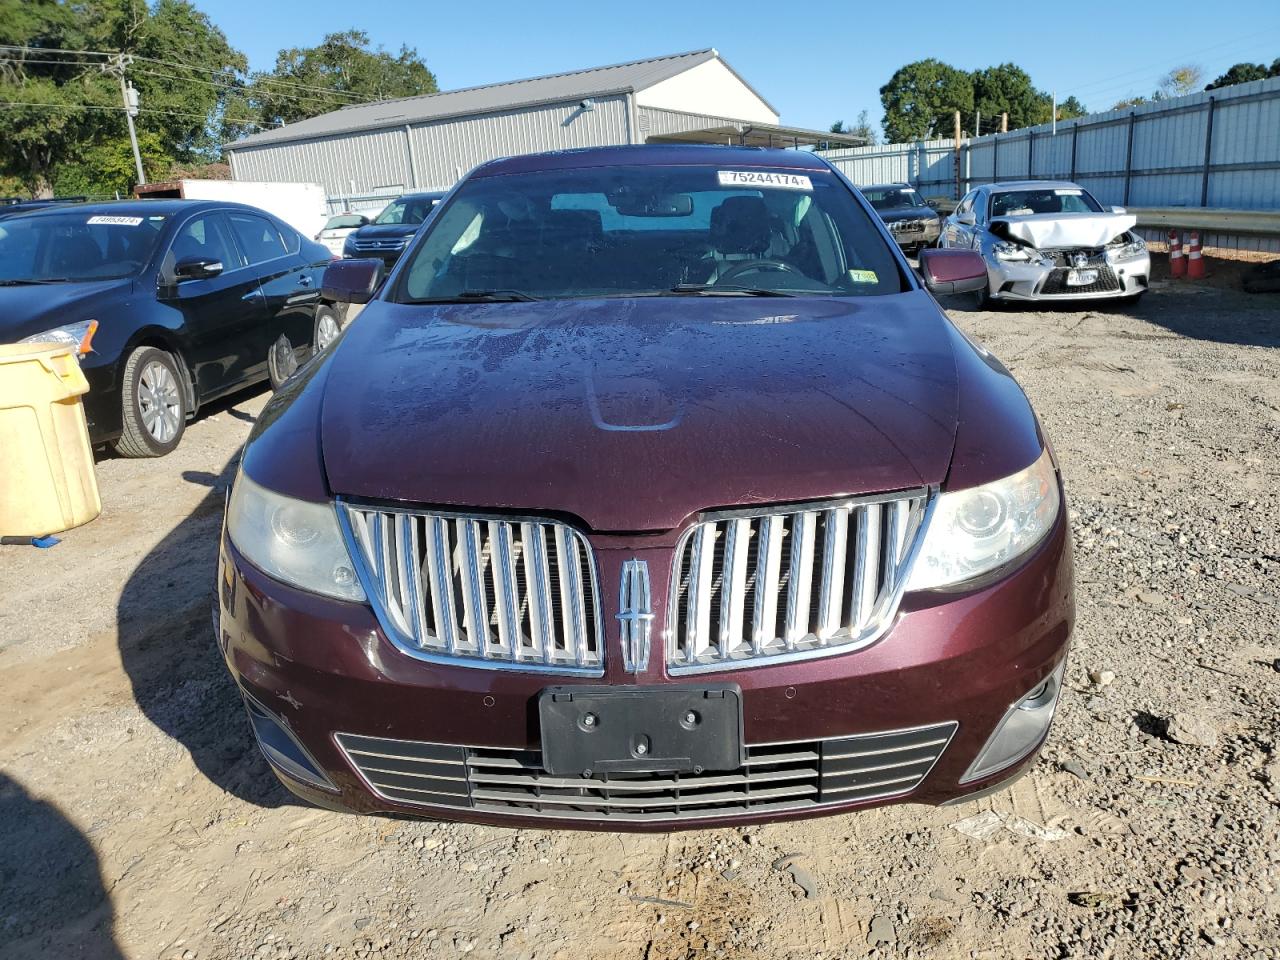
327	327
153	405
282	362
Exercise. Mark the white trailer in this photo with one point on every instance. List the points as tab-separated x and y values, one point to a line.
301	205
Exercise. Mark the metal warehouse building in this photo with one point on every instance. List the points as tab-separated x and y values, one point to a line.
429	142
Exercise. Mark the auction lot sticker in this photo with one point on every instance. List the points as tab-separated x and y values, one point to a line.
117	221
763	178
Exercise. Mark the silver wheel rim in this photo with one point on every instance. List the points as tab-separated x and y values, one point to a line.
326	330
159	402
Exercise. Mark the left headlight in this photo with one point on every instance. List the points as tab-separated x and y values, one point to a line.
1129	251
78	336
1013	253
295	541
974	531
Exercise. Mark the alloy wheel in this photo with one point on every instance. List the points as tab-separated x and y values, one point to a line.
159	401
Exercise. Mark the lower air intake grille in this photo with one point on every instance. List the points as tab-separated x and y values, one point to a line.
1055	285
776	777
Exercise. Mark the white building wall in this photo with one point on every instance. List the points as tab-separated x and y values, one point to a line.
709	88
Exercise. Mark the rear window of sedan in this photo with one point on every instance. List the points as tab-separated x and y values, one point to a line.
645	229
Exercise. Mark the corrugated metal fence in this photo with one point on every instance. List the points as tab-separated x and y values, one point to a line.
1214	149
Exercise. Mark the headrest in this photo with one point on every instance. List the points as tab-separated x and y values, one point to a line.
740	225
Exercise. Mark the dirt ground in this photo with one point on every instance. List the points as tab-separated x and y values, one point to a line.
136	819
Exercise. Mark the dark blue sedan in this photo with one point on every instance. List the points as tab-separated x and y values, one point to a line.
174	303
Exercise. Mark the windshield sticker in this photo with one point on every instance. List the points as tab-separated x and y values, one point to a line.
1067	193
863	276
117	221
763	178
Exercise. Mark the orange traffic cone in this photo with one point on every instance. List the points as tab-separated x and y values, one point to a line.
1195	263
1177	263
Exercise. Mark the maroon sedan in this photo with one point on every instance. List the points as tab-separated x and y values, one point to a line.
652	489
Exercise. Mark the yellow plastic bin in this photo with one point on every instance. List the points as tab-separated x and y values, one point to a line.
47	482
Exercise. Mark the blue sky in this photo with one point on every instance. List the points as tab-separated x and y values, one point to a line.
815	62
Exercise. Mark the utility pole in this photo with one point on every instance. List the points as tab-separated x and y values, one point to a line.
959	194
129	95
1004	123
977	123
1053	120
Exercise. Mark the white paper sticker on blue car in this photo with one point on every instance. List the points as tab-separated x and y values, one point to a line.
764	178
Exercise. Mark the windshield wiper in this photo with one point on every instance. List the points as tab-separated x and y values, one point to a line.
32	280
481	296
720	290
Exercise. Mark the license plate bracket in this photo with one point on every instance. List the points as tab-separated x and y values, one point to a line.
592	731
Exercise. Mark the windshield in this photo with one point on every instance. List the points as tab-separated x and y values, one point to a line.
651	230
410	210
345	221
1023	203
76	246
892	198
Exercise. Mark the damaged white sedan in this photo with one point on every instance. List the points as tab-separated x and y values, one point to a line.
1046	240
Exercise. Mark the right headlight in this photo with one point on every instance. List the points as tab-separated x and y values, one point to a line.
295	541
974	531
1012	252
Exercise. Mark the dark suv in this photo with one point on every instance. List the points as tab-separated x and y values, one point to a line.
390	232
652	490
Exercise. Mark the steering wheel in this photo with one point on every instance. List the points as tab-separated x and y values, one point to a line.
756	266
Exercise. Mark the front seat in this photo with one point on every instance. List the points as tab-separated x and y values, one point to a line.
739	232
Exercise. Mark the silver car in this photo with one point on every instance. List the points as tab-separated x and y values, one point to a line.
1047	240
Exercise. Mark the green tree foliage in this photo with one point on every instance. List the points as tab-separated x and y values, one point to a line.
1007	88
1244	72
862	128
338	72
921	98
68	122
1071	108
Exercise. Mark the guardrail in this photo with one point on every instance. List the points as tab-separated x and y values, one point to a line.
1211	220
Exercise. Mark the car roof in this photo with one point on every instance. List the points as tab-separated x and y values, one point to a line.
140	208
887	186
1032	185
655	155
419	195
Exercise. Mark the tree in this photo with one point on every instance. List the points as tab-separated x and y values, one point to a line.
1071	108
921	98
1244	72
1007	89
1181	80
862	128
340	71
1128	102
70	113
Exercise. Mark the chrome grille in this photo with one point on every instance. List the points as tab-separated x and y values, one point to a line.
389	244
751	589
775	777
481	590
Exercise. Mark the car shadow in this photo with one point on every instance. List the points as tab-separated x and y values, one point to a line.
169	652
52	899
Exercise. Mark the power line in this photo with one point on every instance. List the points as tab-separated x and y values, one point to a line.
230	84
95	106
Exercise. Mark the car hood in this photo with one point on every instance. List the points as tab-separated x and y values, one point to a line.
34	308
1050	230
633	414
907	213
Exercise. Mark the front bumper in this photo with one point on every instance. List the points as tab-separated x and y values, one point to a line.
940	680
923	236
1008	280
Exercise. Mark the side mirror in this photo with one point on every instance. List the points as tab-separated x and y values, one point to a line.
351	281
967	218
1118	210
953	271
364	221
196	268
